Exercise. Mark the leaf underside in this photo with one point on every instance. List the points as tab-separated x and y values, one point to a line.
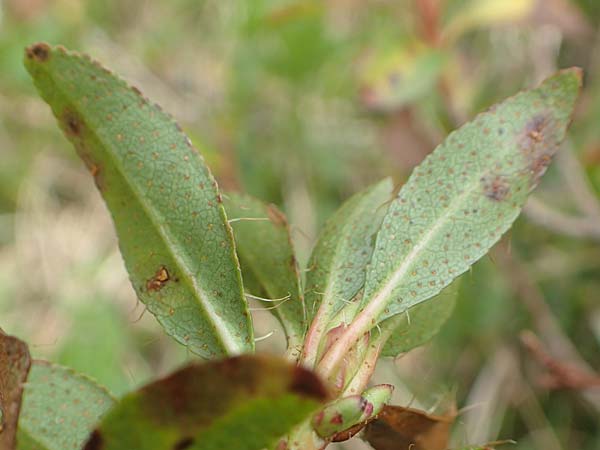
419	324
60	408
173	233
267	257
344	248
466	194
244	403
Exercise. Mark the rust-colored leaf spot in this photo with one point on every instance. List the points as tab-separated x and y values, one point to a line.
40	52
539	142
337	419
495	187
307	384
73	124
94	441
400	428
14	368
160	278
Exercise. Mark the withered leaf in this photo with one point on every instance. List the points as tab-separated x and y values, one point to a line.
243	403
401	428
14	367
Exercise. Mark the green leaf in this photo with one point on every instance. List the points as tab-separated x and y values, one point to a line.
420	323
172	228
243	403
60	408
338	261
465	195
267	256
14	367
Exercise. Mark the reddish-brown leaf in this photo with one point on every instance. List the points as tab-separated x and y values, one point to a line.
14	367
400	428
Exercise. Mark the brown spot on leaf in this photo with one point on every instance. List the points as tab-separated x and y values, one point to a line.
160	278
495	187
337	419
73	123
184	443
539	141
307	384
95	441
40	52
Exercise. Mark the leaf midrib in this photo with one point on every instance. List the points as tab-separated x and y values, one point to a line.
337	251
162	232
380	296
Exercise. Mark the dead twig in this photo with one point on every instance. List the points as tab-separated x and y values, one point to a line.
560	375
545	323
559	222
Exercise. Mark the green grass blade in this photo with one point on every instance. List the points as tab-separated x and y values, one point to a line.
60	408
267	256
465	195
242	403
173	233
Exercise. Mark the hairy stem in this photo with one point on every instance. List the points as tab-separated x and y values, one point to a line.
361	324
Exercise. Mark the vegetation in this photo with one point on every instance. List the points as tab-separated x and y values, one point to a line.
212	265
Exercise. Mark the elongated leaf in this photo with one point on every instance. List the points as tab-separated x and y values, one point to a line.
338	261
337	266
14	367
243	403
60	408
267	255
173	233
420	323
465	195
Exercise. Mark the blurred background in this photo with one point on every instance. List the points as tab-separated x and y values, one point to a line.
302	103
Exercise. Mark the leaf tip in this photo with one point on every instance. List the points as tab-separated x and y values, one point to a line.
576	72
39	52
